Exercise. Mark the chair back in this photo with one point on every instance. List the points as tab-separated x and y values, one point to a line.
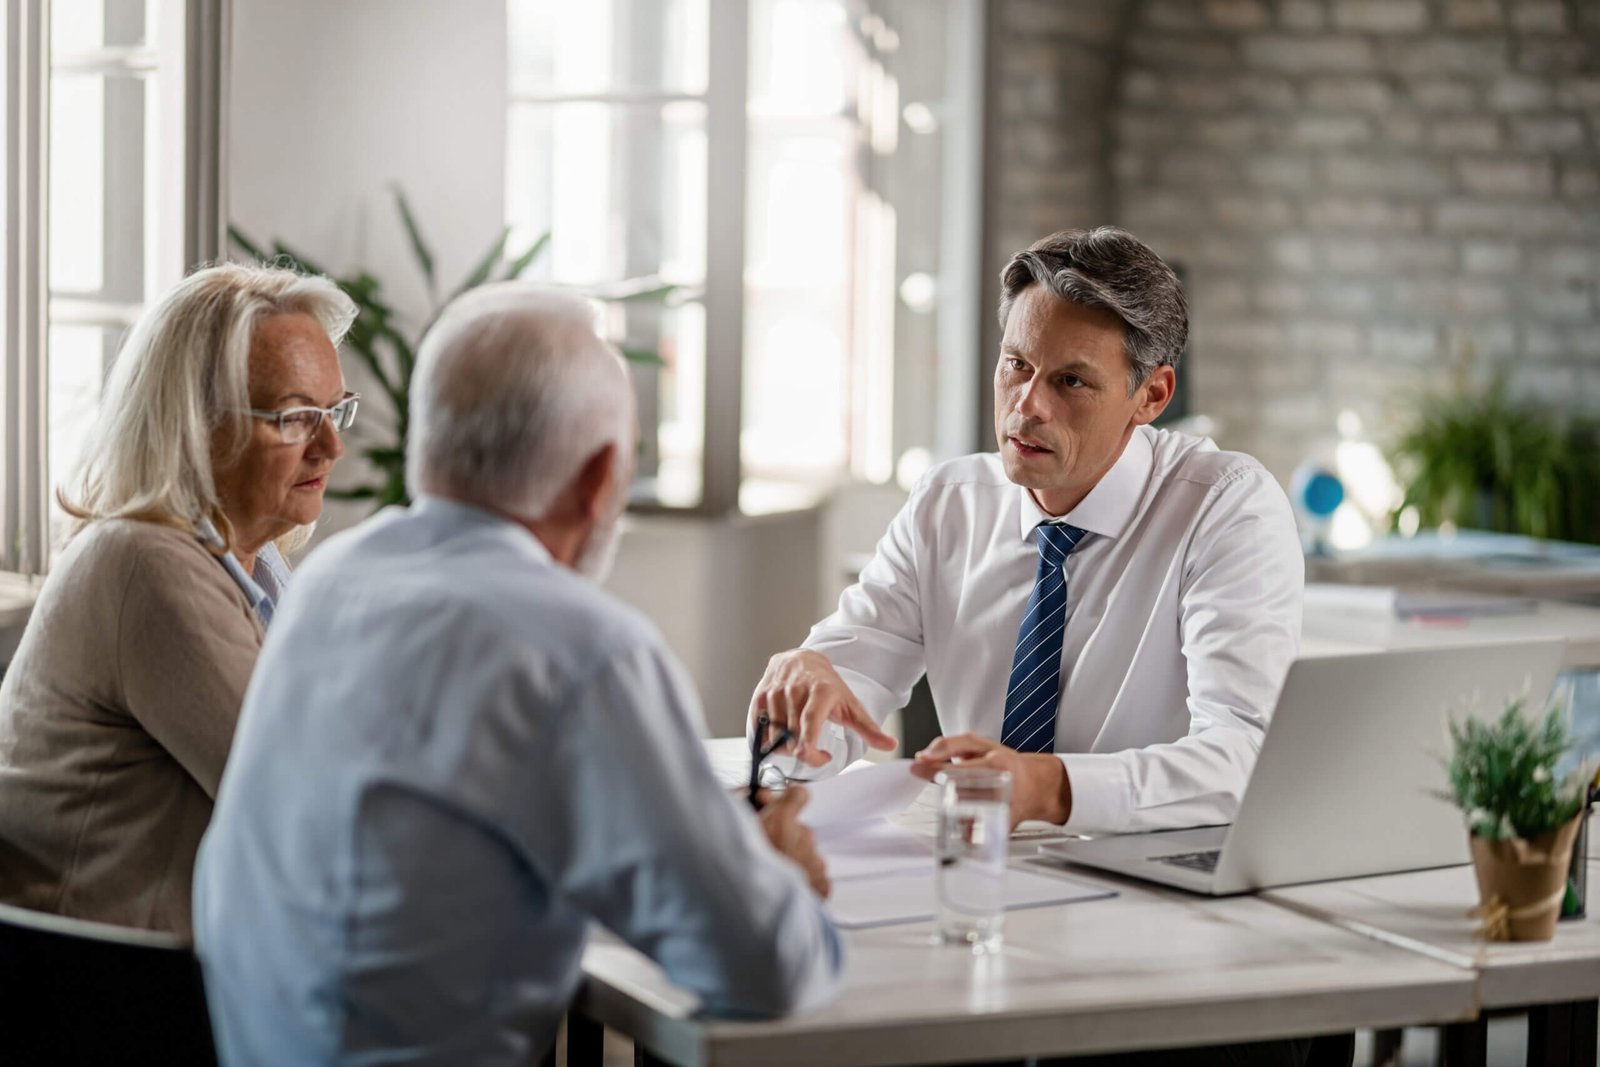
77	992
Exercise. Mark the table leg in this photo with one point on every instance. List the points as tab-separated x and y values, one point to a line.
1386	1048
1562	1035
1464	1044
585	1041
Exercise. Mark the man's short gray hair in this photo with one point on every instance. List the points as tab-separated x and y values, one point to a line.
513	392
1110	269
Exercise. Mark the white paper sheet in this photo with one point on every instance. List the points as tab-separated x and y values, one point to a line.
864	791
909	897
872	848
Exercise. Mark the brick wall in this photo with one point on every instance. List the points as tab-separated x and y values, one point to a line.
1367	196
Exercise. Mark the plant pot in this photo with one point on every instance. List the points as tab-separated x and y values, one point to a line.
1521	883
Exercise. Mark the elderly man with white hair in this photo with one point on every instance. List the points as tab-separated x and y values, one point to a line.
458	751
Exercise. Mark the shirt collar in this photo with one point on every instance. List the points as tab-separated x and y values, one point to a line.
461	513
1110	505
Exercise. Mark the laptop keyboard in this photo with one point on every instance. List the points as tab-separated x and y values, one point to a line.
1205	861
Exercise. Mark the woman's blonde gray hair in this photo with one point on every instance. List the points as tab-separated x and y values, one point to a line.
179	390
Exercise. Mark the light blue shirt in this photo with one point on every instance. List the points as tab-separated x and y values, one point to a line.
267	579
453	755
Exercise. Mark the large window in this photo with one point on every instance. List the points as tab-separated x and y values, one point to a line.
784	163
111	194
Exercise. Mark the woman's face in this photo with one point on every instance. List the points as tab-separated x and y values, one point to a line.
273	486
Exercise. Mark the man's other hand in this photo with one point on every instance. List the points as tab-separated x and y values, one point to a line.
780	819
1040	788
800	690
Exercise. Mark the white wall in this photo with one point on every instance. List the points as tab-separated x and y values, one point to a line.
331	103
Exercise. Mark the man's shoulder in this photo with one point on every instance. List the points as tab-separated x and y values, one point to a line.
1198	461
980	470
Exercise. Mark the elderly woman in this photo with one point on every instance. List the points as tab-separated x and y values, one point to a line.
220	422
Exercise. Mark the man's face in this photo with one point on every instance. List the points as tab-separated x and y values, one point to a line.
1062	413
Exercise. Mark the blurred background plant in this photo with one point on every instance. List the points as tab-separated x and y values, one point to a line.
388	350
1480	459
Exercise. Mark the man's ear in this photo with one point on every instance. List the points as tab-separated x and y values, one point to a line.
593	484
1157	390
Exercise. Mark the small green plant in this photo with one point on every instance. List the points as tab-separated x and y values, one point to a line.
1502	774
1483	460
388	350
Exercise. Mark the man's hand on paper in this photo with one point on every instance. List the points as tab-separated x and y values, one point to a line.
801	690
780	820
1040	788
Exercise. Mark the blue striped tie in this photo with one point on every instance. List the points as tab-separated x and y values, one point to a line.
1035	686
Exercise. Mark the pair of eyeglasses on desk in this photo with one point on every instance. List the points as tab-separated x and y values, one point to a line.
759	753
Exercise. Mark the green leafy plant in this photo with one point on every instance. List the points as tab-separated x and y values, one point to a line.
388	350
1502	774
1483	460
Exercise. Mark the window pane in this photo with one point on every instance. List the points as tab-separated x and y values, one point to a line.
78	26
100	143
621	189
79	356
801	57
606	46
672	399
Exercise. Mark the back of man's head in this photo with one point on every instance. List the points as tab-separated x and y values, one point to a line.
513	392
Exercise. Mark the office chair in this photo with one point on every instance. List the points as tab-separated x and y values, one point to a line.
76	992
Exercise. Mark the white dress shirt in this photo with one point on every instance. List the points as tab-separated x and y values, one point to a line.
454	754
1183	615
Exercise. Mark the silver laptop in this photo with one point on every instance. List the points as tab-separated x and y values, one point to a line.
1345	781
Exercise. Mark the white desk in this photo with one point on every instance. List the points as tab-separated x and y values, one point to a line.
1329	632
1149	968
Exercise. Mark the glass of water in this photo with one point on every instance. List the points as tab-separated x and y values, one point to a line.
974	832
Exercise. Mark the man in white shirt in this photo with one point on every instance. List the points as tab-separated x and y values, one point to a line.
457	751
1105	609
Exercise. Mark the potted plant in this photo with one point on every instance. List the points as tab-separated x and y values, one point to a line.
1480	459
1522	818
387	349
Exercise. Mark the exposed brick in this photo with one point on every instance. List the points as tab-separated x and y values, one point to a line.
1219	294
1473	14
1475	132
1446	55
1514	92
1236	14
1357	299
1329	337
1227	252
1573	264
1283	296
1266	90
1560	304
1310	54
1410	343
1143	87
1490	257
1553	55
1548	133
1548	382
1404	130
1499	217
1538	16
1194	167
1173	52
1278	171
1129	167
1246	337
1348	94
1380	16
1292	252
1302	14
1367	174
1237	131
1451	297
1142	128
1488	339
1172	15
1367	255
1580	180
1333	130
1092	20
1513	176
1443	94
1200	92
1252	212
1378	214
1580	92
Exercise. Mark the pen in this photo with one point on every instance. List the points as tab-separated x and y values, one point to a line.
759	753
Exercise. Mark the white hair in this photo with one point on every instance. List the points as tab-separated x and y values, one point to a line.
179	389
512	393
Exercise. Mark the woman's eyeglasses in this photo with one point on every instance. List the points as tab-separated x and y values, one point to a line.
298	425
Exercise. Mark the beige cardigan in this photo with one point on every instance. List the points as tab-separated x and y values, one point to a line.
115	721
